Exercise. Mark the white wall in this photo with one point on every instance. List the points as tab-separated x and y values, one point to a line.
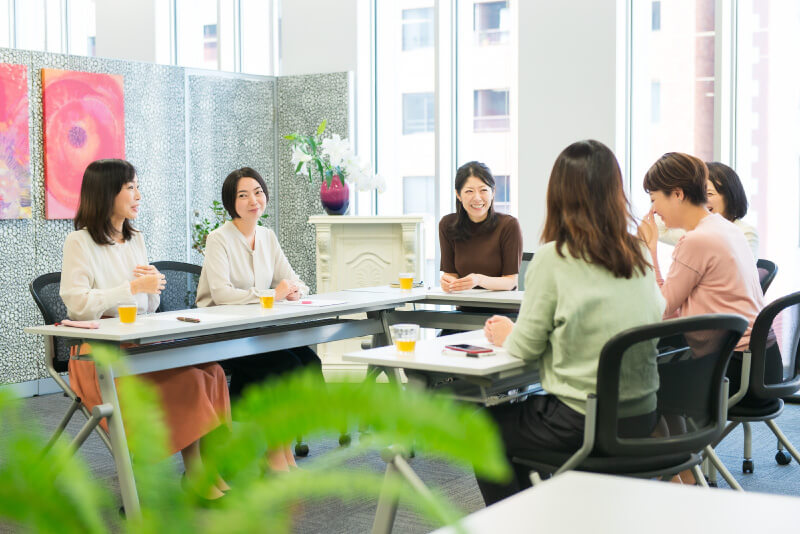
569	89
125	29
318	36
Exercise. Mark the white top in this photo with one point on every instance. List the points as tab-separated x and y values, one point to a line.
96	278
233	272
671	236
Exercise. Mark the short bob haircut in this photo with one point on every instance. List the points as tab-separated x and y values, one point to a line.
102	181
462	227
231	183
728	184
588	213
675	170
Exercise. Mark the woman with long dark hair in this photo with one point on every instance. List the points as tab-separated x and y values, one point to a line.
480	247
589	280
105	264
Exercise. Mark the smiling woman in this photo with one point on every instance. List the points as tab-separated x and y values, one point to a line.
480	247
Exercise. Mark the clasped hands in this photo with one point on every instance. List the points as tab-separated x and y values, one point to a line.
451	283
497	328
147	279
288	290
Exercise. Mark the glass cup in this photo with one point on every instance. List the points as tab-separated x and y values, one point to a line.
127	312
267	297
405	336
406	280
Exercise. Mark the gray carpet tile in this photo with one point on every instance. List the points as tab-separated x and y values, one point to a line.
457	484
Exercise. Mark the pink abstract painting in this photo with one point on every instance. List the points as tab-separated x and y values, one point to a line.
15	156
84	120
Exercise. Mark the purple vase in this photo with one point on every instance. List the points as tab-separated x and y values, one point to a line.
336	198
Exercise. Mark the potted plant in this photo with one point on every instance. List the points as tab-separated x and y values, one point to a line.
333	160
57	492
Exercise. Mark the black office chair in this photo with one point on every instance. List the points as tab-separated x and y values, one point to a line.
523	267
45	292
767	333
766	273
180	291
692	389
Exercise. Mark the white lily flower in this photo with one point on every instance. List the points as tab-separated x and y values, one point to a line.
336	149
298	156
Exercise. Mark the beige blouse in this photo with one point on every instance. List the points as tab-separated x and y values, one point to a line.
233	272
96	278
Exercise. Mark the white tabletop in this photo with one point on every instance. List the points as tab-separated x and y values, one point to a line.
428	356
226	318
482	297
587	502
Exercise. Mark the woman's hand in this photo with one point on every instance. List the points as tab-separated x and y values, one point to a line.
142	270
467	282
648	231
152	283
446	281
497	328
287	290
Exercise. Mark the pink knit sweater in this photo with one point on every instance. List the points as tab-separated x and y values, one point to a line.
713	271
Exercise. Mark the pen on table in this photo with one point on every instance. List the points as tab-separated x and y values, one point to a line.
188	319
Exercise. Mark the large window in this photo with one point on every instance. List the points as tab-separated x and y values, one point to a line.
672	93
81	27
475	97
767	134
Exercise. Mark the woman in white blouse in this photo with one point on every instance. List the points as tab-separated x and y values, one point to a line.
105	264
242	258
726	196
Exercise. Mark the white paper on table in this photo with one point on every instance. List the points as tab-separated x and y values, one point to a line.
440	291
311	302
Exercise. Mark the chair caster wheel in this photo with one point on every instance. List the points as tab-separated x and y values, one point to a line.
783	458
344	440
301	449
747	466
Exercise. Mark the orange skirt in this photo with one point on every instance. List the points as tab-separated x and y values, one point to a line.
194	399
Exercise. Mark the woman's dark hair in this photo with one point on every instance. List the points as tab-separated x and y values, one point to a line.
675	170
231	183
728	184
102	181
587	210
463	228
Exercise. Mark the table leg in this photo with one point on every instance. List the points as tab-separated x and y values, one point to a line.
387	504
119	443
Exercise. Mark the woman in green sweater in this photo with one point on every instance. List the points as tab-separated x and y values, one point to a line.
589	280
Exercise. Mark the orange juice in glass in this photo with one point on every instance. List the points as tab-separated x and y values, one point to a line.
127	312
405	337
267	297
406	280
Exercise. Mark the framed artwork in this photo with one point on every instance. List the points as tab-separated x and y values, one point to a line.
84	120
15	154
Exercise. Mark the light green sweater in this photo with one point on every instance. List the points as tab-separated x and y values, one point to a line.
569	311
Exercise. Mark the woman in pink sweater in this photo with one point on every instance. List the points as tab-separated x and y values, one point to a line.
712	267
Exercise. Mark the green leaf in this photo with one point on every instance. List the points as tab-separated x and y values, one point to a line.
321	127
297	169
290	137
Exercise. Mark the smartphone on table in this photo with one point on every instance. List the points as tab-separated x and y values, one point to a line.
472	351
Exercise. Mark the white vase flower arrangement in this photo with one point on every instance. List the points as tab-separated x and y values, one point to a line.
330	157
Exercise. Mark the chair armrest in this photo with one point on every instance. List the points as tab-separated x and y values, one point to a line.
744	384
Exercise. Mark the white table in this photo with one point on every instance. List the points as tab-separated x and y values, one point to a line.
486	380
588	502
226	332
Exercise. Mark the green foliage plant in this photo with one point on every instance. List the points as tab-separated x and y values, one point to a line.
205	226
59	494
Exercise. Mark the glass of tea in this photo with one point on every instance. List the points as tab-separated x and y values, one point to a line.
127	312
267	297
406	280
405	336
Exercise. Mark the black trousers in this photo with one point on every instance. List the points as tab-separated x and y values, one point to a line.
542	422
256	369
